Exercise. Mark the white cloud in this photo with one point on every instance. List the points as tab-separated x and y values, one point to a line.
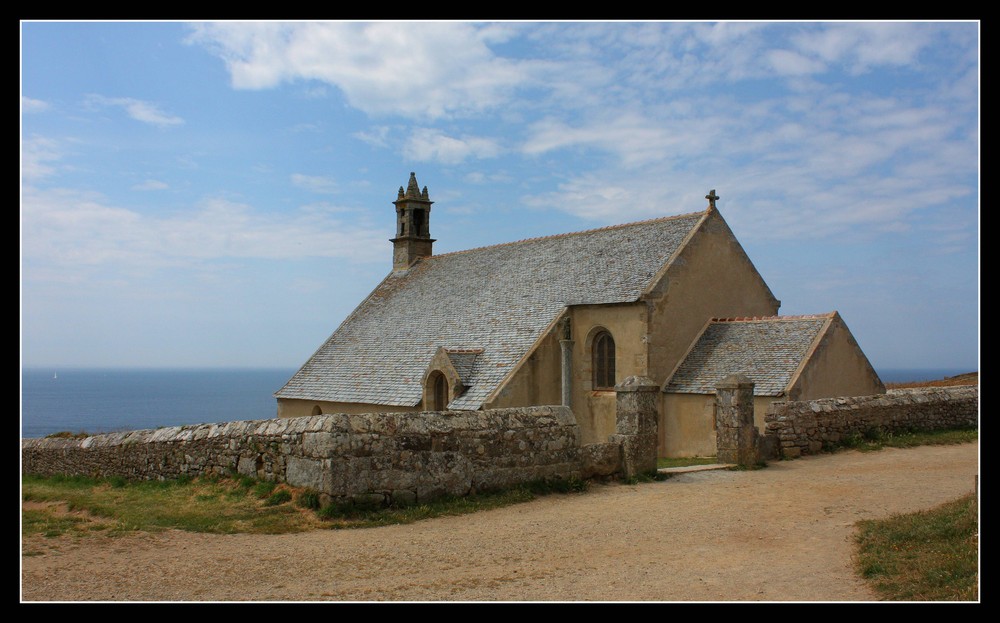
314	183
636	138
819	166
425	69
723	34
788	63
69	234
425	144
150	185
866	45
489	177
29	105
616	62
36	154
139	110
613	197
377	136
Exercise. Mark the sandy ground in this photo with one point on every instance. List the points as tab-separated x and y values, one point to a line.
783	533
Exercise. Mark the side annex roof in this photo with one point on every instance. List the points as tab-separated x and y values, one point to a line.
770	350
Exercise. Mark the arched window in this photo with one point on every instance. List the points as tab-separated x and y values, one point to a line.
439	391
604	361
317	410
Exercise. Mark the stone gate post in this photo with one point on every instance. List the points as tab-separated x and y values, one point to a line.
635	424
736	436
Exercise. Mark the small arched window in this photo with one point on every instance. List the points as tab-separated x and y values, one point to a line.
316	410
439	391
604	361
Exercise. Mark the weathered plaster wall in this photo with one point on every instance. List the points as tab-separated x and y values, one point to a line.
712	277
837	367
687	423
595	409
805	427
375	457
537	381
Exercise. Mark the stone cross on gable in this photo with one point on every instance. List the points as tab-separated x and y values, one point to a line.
712	197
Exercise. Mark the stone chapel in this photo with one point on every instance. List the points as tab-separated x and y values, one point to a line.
561	319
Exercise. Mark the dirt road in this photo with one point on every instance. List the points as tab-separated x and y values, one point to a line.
783	533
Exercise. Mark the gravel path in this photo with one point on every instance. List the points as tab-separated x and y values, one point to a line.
783	533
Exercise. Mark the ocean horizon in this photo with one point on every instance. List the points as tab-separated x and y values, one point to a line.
103	400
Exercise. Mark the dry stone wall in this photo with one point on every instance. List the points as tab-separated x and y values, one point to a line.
806	427
375	457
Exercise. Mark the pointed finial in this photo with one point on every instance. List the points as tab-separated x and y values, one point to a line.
412	189
400	192
712	197
423	194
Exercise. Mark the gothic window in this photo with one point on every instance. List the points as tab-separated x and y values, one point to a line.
604	361
439	392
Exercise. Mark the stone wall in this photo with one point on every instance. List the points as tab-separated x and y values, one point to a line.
375	457
806	427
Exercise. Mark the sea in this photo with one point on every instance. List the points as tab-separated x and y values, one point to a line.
108	400
112	400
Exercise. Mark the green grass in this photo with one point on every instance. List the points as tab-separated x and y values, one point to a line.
202	505
278	497
925	556
48	524
876	439
264	488
351	516
65	434
362	516
74	505
308	499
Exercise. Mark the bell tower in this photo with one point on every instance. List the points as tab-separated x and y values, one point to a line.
413	216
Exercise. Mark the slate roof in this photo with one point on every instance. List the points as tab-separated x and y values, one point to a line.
463	361
769	350
499	299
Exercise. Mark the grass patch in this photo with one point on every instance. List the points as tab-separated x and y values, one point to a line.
546	487
278	497
51	524
876	439
264	488
223	506
235	504
65	434
354	516
925	556
308	499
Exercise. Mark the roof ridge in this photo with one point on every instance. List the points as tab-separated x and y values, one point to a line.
770	318
567	234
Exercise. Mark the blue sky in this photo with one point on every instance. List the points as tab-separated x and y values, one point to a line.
220	194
